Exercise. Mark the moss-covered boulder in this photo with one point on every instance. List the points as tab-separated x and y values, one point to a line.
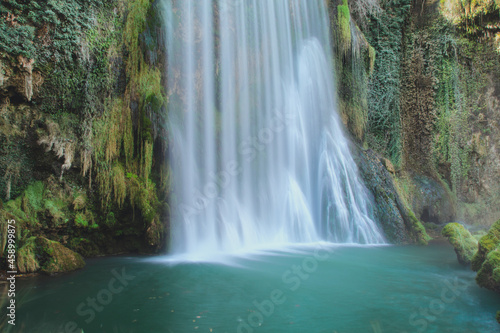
464	243
486	261
26	257
486	244
488	275
42	254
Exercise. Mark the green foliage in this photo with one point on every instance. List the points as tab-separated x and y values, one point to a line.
474	17
17	40
463	70
110	219
29	206
84	247
119	184
101	93
453	131
465	245
134	26
56	209
76	85
33	197
385	34
81	221
352	68
58	24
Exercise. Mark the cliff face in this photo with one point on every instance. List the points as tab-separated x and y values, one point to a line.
82	107
432	101
366	80
81	98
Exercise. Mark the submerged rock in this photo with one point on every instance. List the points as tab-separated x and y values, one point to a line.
464	243
42	254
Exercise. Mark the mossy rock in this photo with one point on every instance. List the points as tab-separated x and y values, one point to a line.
464	243
84	247
56	258
485	245
417	229
487	259
42	254
489	274
26	257
397	220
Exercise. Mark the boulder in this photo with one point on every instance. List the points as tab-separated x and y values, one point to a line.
464	243
486	261
42	254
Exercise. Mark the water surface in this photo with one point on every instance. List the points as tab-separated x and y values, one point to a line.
315	288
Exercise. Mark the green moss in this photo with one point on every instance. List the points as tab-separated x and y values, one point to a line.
372	55
34	195
135	25
84	247
27	207
86	220
485	245
55	258
91	58
464	243
418	229
344	24
488	275
110	219
487	259
81	221
150	87
26	257
80	202
56	210
119	184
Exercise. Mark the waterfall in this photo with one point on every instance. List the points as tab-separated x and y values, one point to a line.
258	153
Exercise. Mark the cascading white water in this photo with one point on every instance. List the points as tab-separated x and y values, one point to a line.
257	150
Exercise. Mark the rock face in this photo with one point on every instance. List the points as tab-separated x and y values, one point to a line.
464	243
80	133
431	202
487	259
42	254
399	223
388	165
